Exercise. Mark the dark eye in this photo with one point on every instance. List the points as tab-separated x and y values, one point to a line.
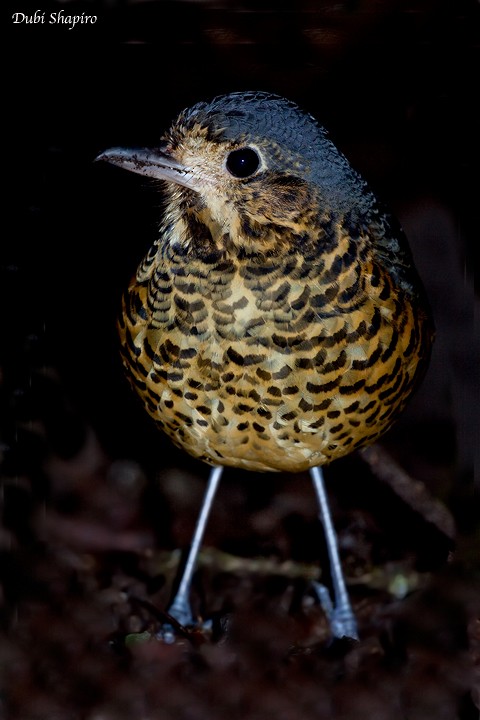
242	163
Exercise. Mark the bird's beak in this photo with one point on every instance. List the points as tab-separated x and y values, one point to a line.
154	163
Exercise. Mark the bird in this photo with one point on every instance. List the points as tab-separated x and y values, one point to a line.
278	322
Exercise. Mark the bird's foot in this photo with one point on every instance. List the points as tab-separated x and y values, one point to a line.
182	622
340	616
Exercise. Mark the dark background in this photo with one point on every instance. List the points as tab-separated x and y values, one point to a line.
396	83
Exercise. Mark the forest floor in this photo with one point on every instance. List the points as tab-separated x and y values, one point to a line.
89	561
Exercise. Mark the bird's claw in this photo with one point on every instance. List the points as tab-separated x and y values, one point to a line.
340	617
181	622
169	633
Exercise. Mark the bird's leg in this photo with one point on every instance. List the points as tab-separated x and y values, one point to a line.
180	608
340	613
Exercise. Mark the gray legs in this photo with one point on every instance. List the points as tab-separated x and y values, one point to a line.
340	614
180	608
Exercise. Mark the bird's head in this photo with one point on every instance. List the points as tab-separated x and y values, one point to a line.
249	169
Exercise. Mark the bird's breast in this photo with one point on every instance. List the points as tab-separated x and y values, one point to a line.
279	365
